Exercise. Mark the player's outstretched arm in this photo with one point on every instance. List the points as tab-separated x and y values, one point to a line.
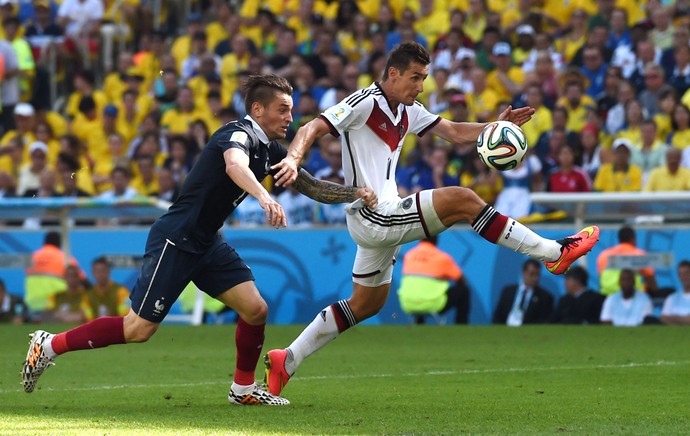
466	133
305	137
330	193
237	168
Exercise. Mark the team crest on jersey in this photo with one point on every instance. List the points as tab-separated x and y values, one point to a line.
338	113
239	136
407	203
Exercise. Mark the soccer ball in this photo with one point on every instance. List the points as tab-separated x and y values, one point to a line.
501	145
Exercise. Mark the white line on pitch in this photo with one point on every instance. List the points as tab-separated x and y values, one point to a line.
359	376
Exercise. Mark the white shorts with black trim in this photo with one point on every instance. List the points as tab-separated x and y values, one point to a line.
380	232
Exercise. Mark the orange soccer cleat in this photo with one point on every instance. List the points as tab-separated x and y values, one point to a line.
276	377
573	247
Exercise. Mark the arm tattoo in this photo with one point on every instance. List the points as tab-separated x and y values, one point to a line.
323	191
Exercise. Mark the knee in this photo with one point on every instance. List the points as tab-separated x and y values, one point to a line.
457	204
256	314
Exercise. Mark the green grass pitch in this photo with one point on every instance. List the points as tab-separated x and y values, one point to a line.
372	380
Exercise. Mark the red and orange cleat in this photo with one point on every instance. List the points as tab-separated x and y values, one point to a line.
573	248
276	377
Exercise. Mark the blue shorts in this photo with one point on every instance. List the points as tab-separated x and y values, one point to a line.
166	271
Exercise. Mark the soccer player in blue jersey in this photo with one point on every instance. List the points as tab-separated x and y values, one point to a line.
184	244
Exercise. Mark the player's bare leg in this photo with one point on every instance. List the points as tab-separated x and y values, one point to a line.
249	339
457	204
333	320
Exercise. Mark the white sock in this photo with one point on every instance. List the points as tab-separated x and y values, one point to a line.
242	389
48	347
505	231
322	330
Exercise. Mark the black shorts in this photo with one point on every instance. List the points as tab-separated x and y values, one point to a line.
167	270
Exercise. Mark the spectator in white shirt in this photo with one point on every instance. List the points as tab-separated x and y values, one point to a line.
627	307
676	308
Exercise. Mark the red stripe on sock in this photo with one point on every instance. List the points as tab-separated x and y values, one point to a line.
249	340
493	232
339	317
99	333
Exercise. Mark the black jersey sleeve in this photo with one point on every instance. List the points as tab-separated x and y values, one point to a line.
235	139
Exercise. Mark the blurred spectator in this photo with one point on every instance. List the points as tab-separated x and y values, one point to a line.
650	153
24	117
579	305
221	32
182	46
180	161
199	51
30	173
432	21
506	80
485	182
575	101
619	175
597	35
438	102
525	44
349	85
681	39
615	117
46	274
627	246
670	177
619	35
474	23
80	18
25	57
44	133
433	283
169	189
634	115
180	118
490	37
332	214
571	42
654	86
9	92
42	30
114	83
105	297
121	190
680	127
542	120
676	309
525	302
594	69
567	177
166	89
6	185
11	159
679	76
46	186
662	33
146	181
514	199
68	178
283	60
645	54
84	83
591	150
627	307
482	101
662	120
543	47
608	97
405	28
12	308
549	156
71	304
299	209
249	213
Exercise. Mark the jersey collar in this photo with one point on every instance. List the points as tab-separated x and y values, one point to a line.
259	131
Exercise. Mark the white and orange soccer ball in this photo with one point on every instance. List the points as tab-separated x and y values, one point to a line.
502	145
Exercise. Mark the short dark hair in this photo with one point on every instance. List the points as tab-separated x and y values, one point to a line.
262	88
626	234
578	273
53	238
101	259
403	55
684	262
535	263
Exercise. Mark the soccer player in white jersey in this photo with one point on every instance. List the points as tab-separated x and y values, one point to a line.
372	124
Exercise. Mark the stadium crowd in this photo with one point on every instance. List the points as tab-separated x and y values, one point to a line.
144	89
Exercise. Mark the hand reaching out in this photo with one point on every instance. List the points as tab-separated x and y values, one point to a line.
518	116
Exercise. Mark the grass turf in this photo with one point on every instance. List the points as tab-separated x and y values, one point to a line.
392	380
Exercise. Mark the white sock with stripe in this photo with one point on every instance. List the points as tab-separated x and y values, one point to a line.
327	325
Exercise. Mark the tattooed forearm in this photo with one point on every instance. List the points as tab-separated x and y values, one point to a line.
323	191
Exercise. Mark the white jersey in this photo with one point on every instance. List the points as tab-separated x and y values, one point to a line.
372	136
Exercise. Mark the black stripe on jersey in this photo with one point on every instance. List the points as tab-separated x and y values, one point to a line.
356	95
388	222
352	159
429	127
362	97
364	276
404	215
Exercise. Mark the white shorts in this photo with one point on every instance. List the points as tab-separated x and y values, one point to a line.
380	232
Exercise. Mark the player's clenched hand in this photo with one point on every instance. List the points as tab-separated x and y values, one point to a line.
275	215
368	196
287	172
518	116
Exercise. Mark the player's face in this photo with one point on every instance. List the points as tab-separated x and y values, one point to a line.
275	118
411	83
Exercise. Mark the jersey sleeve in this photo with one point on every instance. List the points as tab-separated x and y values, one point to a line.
420	119
349	114
235	139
